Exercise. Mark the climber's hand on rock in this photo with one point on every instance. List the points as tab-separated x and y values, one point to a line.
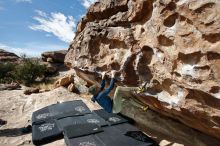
113	73
103	74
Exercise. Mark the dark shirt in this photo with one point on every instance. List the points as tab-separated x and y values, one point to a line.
102	98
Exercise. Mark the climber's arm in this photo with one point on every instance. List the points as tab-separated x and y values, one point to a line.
111	86
102	84
103	81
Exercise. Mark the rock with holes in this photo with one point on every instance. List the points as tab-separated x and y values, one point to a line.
172	45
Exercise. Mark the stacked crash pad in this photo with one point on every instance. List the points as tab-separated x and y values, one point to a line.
79	126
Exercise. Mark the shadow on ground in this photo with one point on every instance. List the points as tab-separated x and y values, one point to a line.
14	132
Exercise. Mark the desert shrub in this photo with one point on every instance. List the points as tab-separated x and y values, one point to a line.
6	72
28	71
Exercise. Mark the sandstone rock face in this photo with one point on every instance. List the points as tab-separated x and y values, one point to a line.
71	87
64	81
7	56
54	61
54	56
51	68
174	45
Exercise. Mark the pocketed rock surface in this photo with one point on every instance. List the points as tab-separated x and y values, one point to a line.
174	45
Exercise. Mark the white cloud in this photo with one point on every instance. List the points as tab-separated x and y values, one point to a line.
25	1
32	49
57	24
87	3
41	13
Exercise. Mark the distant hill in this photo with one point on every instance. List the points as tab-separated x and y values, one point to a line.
8	56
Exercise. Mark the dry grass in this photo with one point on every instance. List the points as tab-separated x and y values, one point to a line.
47	85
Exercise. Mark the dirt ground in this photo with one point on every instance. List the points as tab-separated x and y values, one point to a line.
17	108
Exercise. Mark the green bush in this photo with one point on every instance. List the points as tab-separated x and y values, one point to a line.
6	72
28	71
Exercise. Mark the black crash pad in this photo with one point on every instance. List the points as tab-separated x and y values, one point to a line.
112	136
111	118
94	119
60	110
46	132
80	130
140	136
86	119
89	140
133	132
41	115
69	106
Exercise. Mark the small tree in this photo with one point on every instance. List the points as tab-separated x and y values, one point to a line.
6	72
29	71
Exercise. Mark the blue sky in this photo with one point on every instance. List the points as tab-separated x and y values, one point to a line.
35	26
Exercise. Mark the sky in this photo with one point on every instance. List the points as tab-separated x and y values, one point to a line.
34	26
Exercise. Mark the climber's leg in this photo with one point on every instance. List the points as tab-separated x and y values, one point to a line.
137	103
121	94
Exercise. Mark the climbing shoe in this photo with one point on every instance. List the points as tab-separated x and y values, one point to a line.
140	90
144	108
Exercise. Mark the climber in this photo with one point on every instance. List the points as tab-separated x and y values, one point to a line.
122	94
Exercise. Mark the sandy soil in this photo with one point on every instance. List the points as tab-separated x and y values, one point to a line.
17	108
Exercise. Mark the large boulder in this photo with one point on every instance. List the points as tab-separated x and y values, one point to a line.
64	81
8	56
172	45
54	56
52	68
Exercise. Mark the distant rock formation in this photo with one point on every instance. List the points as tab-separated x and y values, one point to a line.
174	45
54	56
54	60
8	56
